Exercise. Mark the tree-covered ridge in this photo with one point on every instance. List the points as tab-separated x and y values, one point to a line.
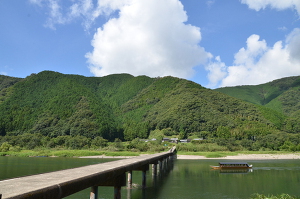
5	84
6	81
48	101
188	108
54	105
281	95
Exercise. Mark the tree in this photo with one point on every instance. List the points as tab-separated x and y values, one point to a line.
118	144
99	142
5	147
182	134
223	132
78	142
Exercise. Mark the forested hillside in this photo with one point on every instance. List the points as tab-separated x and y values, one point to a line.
5	83
281	95
53	106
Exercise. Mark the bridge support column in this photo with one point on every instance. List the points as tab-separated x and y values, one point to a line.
166	163
93	194
144	179
160	166
117	183
154	169
129	179
154	174
117	192
144	169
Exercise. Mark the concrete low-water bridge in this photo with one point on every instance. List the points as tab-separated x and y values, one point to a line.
60	184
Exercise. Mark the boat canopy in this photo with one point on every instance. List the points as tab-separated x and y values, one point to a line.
234	164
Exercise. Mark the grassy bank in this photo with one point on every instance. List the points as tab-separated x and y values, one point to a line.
79	153
220	154
66	153
216	154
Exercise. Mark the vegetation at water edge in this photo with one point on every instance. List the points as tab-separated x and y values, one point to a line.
66	153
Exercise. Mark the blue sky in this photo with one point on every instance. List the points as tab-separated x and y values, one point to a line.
212	42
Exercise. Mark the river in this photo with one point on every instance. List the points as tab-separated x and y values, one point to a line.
191	179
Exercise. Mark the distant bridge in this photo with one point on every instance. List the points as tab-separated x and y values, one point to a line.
60	184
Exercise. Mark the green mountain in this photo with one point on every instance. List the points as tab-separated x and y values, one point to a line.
281	95
5	83
126	107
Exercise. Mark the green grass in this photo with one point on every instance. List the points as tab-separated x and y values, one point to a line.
66	153
78	153
264	152
122	153
24	153
75	153
219	154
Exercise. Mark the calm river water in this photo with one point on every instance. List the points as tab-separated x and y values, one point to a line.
191	179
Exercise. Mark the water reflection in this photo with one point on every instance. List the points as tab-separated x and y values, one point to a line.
277	168
195	179
155	184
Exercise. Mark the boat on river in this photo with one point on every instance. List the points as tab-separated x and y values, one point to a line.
232	165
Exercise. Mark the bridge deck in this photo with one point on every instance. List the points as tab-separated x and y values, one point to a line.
62	183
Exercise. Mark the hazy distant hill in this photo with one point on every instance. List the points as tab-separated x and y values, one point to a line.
124	106
282	95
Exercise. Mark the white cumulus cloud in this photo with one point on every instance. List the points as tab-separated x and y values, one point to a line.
294	45
259	63
149	37
216	72
141	37
275	4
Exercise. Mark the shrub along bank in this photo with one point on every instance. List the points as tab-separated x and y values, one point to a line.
272	142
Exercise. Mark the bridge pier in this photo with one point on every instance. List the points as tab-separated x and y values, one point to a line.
160	166
144	170
129	179
154	169
117	192
164	164
144	179
94	192
117	183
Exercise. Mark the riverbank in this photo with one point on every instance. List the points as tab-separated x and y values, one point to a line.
241	155
230	157
244	157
